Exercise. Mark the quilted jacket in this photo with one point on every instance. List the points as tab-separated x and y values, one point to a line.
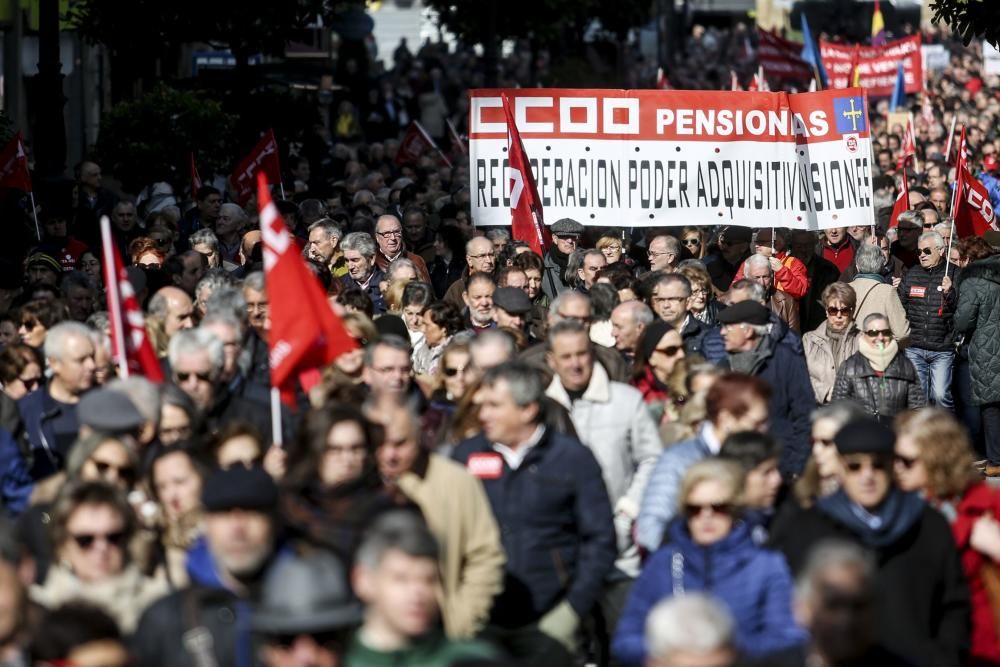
978	317
883	397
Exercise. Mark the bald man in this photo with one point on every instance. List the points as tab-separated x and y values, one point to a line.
479	257
172	309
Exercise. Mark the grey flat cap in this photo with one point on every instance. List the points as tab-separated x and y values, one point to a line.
567	227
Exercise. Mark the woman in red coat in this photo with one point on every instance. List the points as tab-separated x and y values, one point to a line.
933	456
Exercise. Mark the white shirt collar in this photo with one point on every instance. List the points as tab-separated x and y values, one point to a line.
711	439
515	457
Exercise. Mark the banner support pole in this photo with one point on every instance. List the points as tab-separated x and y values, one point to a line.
276	417
34	214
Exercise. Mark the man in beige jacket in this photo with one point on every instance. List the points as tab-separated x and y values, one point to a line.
876	294
457	512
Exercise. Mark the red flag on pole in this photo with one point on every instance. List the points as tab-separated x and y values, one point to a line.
262	159
305	332
971	209
415	143
14	165
526	219
195	178
130	345
902	202
662	83
909	147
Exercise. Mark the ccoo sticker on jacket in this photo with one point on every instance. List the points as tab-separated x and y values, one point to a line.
485	466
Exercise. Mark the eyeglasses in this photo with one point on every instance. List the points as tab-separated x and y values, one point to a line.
87	540
564	237
875	333
691	242
926	251
451	371
692	510
124	472
699	292
491	255
650	253
29	324
875	465
31	383
833	312
907	461
328	639
669	350
184	377
929	225
390	233
612	248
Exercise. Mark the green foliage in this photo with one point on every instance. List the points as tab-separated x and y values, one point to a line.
148	139
970	19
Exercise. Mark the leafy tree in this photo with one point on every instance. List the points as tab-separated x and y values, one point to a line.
148	139
970	19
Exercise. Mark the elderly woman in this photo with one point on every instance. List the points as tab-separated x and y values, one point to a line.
333	488
832	342
709	548
702	305
614	247
934	457
146	253
879	376
441	321
92	529
660	371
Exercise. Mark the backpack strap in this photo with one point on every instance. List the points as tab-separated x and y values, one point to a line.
196	639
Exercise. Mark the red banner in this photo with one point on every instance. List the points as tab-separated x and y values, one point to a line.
972	210
263	159
781	58
415	143
14	165
526	219
876	65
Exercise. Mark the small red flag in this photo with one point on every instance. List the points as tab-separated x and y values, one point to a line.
415	143
902	202
305	332
195	178
130	345
526	219
971	209
14	165
909	147
662	83
262	159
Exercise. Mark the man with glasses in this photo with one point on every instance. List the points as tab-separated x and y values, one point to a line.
669	301
929	299
480	257
389	237
790	275
663	253
565	236
388	370
921	598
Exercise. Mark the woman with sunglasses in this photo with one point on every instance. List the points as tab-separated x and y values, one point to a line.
450	386
20	371
660	371
879	376
694	240
934	458
833	341
92	529
36	318
709	548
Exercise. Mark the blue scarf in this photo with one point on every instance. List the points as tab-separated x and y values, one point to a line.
871	276
880	527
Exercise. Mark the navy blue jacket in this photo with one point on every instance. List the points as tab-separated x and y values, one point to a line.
38	409
754	585
555	524
374	292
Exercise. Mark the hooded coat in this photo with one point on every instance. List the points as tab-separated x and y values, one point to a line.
978	317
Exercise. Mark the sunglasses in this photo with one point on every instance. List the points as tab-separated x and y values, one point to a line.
926	251
87	540
31	383
328	639
929	225
452	371
907	461
669	350
838	311
693	510
691	242
124	472
29	324
880	465
875	333
565	237
184	377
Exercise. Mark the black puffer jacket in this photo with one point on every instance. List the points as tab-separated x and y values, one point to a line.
929	310
978	317
883	397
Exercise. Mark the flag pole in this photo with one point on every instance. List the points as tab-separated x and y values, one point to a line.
114	296
951	135
34	214
276	417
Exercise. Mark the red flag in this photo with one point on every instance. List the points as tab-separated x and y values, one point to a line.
456	139
909	147
971	208
781	59
415	143
526	219
195	178
130	345
662	83
305	332
262	159
902	202
14	165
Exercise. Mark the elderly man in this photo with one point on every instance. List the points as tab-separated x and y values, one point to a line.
929	300
419	239
669	300
664	253
875	293
628	321
751	350
324	239
611	419
691	630
548	496
480	258
790	275
229	230
49	415
388	370
359	254
921	597
592	262
759	270
80	295
565	236
478	297
171	310
258	306
511	307
389	237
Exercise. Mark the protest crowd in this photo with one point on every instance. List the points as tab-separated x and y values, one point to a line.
668	446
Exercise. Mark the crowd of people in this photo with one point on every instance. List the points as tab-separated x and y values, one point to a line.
660	446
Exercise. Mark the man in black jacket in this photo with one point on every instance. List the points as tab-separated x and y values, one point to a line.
927	295
921	597
549	500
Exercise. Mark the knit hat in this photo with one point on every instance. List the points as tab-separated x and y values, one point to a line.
865	436
651	336
240	487
47	261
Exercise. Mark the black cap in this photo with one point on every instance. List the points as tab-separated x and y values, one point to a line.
749	312
392	324
734	234
512	300
109	411
865	436
651	336
240	487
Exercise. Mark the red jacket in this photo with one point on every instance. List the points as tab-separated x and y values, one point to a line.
978	500
842	255
792	278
